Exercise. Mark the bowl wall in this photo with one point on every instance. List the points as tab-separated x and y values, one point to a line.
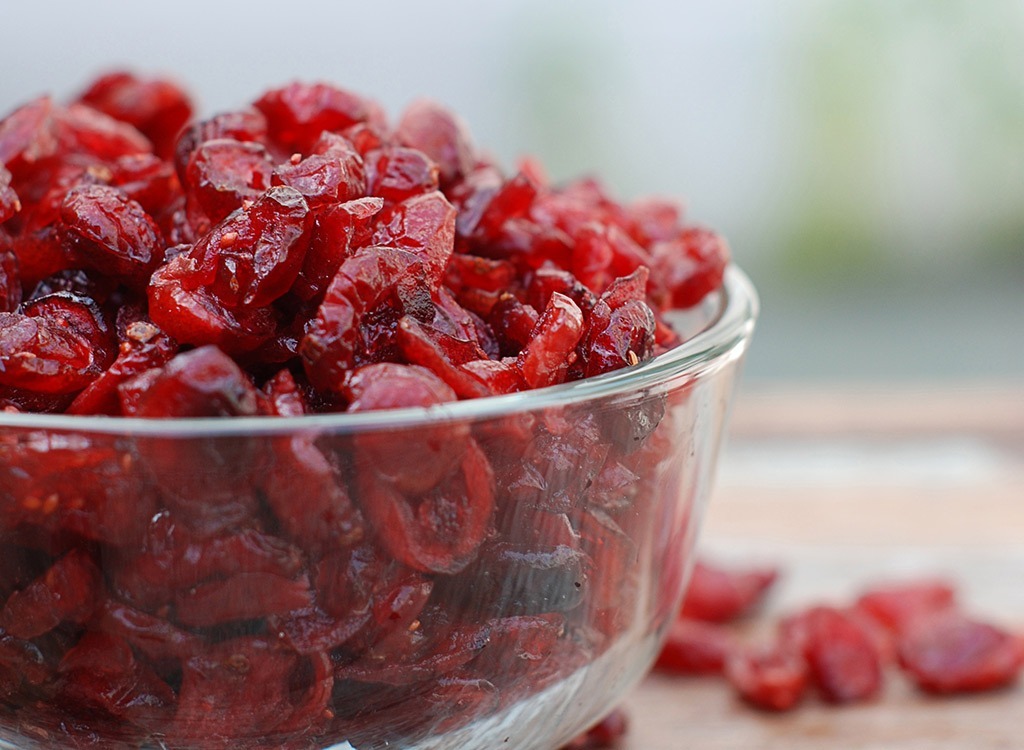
436	579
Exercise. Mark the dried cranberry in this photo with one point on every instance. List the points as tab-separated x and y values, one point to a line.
430	128
842	659
396	174
221	175
158	108
948	652
551	350
298	113
246	125
254	255
333	174
437	531
55	344
192	315
69	591
690	266
696	647
897	605
105	230
719	595
774	678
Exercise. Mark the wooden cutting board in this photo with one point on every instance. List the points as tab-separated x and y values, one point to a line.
842	488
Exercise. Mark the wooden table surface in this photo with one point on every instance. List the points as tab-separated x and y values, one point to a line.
843	487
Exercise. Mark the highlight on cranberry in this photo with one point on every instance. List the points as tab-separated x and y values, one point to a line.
298	587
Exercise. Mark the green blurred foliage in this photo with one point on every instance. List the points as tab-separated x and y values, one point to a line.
910	118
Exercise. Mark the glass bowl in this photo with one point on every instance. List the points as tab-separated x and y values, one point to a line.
487	573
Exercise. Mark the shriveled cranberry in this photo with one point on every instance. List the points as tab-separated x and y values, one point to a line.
203	382
107	231
428	127
143	346
10	284
221	688
948	652
85	130
310	498
298	113
691	265
158	108
55	344
100	671
254	255
192	315
896	606
373	282
396	173
69	590
423	225
718	594
843	661
774	678
417	460
333	174
169	557
696	647
551	350
337	232
439	530
156	639
246	125
221	175
26	135
9	203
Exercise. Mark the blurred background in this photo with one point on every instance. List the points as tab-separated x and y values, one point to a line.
865	158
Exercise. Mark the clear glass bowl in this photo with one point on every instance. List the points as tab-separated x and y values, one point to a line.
486	573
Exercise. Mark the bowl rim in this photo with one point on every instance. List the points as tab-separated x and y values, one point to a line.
728	333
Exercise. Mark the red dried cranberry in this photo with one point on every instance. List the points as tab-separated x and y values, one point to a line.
105	230
337	232
428	127
223	174
246	125
551	350
298	113
437	531
333	174
774	678
720	595
896	606
396	174
254	255
192	315
158	108
55	344
69	591
696	647
690	266
843	661
947	652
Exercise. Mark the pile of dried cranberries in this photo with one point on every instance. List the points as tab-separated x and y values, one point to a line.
306	256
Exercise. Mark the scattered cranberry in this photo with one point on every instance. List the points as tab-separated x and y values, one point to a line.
774	678
720	595
952	653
